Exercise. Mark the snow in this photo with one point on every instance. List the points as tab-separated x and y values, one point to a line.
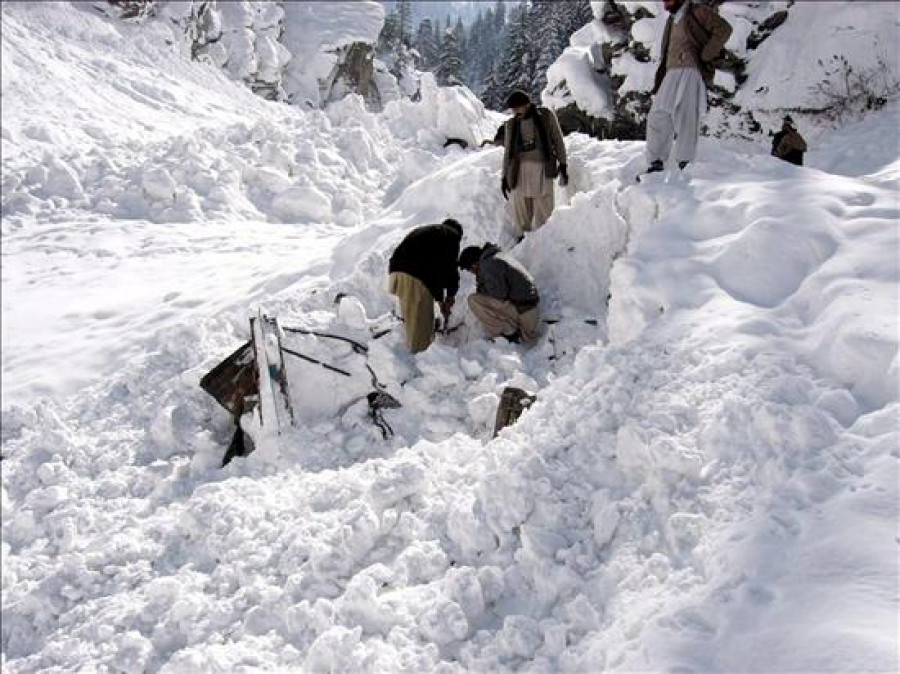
707	480
811	34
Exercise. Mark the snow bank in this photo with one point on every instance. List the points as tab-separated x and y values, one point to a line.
193	148
580	75
776	82
711	460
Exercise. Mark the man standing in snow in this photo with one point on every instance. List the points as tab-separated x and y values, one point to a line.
423	271
694	36
534	153
505	298
788	144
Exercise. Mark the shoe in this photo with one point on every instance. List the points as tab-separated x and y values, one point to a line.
514	338
655	166
682	164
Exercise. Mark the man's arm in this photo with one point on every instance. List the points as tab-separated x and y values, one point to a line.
718	28
556	136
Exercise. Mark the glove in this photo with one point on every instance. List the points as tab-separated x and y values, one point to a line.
563	175
504	189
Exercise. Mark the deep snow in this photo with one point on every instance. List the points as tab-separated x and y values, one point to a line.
708	481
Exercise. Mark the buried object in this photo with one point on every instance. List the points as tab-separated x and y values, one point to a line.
254	379
513	402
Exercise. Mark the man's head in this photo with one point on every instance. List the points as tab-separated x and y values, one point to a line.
673	6
518	101
468	258
453	224
788	123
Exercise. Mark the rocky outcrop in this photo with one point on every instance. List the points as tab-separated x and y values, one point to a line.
354	72
624	35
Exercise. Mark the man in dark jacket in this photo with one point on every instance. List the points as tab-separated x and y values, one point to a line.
693	37
505	298
423	271
534	153
788	144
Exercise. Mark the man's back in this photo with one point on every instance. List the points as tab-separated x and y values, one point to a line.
504	278
429	253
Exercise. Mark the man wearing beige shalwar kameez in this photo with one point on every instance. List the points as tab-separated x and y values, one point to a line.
534	153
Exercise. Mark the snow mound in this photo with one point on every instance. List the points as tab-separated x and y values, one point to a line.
711	458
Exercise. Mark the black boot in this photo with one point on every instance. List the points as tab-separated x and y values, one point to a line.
682	164
655	166
514	338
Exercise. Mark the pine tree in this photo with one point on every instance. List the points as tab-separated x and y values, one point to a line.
404	12
461	39
427	46
491	94
512	72
388	37
577	14
450	70
551	24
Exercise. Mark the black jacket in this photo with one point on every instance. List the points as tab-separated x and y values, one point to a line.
429	253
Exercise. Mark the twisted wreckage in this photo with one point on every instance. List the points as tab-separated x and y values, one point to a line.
255	384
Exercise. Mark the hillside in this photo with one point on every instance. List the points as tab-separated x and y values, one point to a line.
707	482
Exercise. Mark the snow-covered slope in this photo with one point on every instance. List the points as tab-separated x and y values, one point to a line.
707	482
783	57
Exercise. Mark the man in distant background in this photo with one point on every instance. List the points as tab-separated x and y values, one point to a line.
423	271
505	298
788	144
534	153
694	36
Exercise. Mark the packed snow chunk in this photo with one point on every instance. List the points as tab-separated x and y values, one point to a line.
443	622
482	409
159	185
133	651
769	260
302	204
423	562
360	605
685	530
334	651
466	529
352	313
605	516
63	181
521	636
464	588
396	481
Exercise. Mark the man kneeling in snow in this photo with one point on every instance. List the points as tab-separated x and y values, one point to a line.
505	298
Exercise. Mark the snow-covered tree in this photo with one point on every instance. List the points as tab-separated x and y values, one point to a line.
512	71
450	70
427	46
549	21
404	21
